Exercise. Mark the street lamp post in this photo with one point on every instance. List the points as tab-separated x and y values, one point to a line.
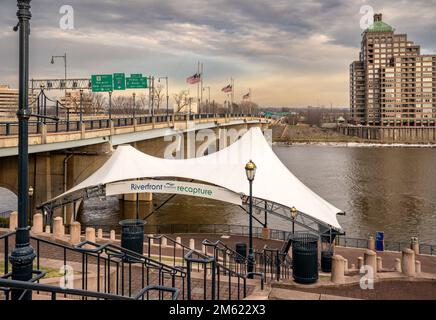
250	170
23	254
294	213
81	108
31	192
110	106
167	96
134	106
65	70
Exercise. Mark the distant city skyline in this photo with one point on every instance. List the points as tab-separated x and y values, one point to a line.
289	53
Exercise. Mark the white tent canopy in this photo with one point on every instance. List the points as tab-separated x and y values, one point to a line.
225	168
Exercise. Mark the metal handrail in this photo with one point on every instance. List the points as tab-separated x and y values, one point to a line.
25	285
126	253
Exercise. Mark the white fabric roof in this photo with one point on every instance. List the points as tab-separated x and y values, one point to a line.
273	181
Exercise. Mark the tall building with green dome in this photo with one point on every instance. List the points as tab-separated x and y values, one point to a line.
392	84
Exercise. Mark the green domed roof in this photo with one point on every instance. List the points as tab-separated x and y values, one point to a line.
380	26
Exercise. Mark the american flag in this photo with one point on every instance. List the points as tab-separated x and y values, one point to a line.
227	89
246	97
196	78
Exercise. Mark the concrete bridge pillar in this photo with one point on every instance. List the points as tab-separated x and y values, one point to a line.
132	197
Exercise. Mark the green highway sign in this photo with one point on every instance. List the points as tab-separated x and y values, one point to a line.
102	83
119	81
136	81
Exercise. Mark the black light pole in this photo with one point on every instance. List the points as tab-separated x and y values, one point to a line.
250	170
23	254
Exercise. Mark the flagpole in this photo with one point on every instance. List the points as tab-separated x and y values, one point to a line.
198	87
232	94
201	89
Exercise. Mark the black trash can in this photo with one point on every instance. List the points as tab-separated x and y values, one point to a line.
305	258
132	235
241	249
326	261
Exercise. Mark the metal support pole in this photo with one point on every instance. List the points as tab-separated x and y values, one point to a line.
110	105
134	107
168	97
81	108
23	254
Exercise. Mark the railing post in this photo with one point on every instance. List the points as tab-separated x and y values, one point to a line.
188	279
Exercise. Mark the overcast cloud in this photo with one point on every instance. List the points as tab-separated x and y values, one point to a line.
290	53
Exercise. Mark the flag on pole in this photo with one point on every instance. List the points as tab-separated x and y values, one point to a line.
246	97
227	89
196	78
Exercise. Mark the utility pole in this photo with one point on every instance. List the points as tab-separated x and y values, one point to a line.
23	254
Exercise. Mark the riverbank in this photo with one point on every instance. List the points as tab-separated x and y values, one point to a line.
287	135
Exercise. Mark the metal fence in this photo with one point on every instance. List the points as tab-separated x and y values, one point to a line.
396	246
229	229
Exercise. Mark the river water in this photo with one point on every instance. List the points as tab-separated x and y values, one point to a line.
381	189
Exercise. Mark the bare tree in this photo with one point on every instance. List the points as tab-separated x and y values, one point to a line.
182	100
158	97
142	102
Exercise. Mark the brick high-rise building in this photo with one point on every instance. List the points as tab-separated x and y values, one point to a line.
392	84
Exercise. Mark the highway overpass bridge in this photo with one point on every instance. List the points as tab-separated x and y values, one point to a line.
62	154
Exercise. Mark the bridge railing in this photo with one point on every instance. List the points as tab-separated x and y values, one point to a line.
10	128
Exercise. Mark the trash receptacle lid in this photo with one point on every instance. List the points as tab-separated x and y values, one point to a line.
132	222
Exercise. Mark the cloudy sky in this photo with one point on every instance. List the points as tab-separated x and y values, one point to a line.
290	53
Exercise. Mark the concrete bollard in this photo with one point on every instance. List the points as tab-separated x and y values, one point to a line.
164	242
359	263
371	243
338	272
418	266
379	264
414	245
100	234
13	221
37	224
370	259
408	263
75	233
345	266
47	229
178	241
90	235
397	265
58	227
112	235
192	244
